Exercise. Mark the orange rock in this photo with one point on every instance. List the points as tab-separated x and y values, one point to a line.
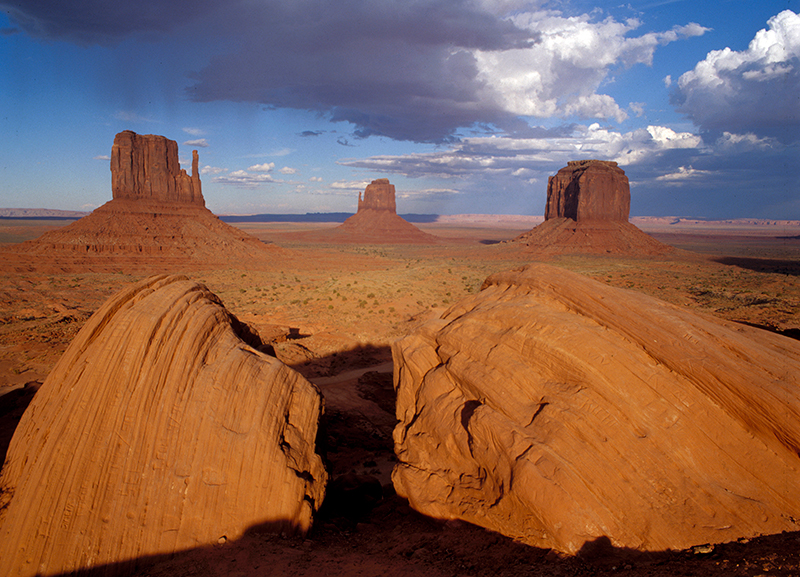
558	236
558	411
159	430
146	167
379	195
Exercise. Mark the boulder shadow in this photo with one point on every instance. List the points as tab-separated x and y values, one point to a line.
12	406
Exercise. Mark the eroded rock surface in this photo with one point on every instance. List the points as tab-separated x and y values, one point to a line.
557	410
161	429
379	195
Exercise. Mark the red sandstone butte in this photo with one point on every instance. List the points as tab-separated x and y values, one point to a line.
563	412
589	190
376	221
162	428
146	167
379	195
587	210
156	220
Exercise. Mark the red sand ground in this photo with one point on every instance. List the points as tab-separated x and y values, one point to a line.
333	310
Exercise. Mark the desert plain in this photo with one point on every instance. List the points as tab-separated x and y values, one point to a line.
332	310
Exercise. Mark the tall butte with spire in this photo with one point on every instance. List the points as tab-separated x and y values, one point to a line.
156	219
146	168
587	211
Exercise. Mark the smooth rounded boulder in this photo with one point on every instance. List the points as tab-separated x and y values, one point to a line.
563	412
162	428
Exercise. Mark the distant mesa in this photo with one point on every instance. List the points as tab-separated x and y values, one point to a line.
561	412
587	211
156	219
162	428
376	221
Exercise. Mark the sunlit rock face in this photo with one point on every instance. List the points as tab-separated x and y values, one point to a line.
560	411
146	167
589	190
162	428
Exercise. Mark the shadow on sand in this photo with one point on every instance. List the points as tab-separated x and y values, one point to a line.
787	267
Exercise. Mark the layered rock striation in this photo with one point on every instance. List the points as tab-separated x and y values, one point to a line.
560	411
162	428
587	211
156	221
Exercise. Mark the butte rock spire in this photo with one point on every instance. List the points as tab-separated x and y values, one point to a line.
155	221
146	167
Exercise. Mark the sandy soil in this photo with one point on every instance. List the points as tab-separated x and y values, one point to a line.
332	313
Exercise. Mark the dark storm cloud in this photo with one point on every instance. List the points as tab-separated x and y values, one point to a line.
399	69
102	21
396	69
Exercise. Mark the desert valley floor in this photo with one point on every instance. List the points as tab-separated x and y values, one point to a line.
332	311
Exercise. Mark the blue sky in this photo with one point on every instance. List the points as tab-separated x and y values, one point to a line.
467	106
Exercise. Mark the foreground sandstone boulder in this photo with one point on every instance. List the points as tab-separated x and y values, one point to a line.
558	411
159	430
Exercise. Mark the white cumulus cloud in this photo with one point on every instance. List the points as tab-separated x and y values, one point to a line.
682	174
560	74
266	167
756	90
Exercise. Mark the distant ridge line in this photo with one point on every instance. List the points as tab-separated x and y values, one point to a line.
314	217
